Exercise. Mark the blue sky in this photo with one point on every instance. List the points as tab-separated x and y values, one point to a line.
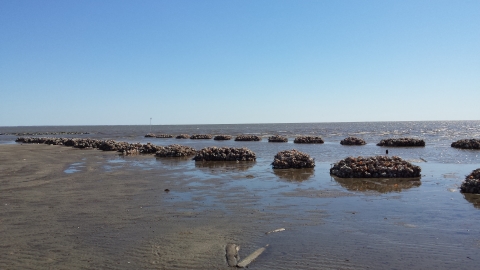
239	61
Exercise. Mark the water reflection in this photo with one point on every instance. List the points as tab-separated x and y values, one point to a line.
473	199
174	161
382	185
225	165
296	175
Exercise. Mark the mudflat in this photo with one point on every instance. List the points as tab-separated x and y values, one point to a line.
55	216
66	208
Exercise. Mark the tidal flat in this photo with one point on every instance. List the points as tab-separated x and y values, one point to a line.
66	208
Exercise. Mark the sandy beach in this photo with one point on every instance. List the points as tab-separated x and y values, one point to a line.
66	208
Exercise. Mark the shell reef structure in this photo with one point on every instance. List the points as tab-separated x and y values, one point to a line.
308	139
248	138
292	159
353	141
225	154
46	133
222	137
277	138
467	144
402	142
375	167
175	150
471	184
201	137
161	136
183	136
104	145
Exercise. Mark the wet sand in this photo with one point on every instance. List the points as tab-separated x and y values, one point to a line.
66	208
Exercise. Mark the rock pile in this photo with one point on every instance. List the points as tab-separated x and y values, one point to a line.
183	136
248	138
151	135
471	184
201	137
175	150
222	137
467	144
138	148
401	142
375	167
292	159
277	138
353	141
308	139
46	133
105	145
225	154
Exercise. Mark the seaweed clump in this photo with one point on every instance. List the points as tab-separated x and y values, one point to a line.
225	154
467	144
175	150
471	184
292	159
402	142
277	138
353	141
308	139
248	138
375	167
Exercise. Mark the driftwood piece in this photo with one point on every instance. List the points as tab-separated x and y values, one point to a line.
250	258
277	230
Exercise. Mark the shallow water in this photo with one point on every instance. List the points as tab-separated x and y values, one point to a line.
330	223
438	136
336	223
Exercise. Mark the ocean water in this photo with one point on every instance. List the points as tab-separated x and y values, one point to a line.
438	136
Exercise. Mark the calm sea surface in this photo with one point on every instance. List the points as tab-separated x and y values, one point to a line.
438	136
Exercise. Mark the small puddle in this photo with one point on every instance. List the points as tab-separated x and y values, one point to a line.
74	167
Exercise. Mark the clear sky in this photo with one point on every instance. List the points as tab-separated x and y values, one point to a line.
237	61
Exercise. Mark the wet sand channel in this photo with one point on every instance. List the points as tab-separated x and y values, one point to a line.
65	208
